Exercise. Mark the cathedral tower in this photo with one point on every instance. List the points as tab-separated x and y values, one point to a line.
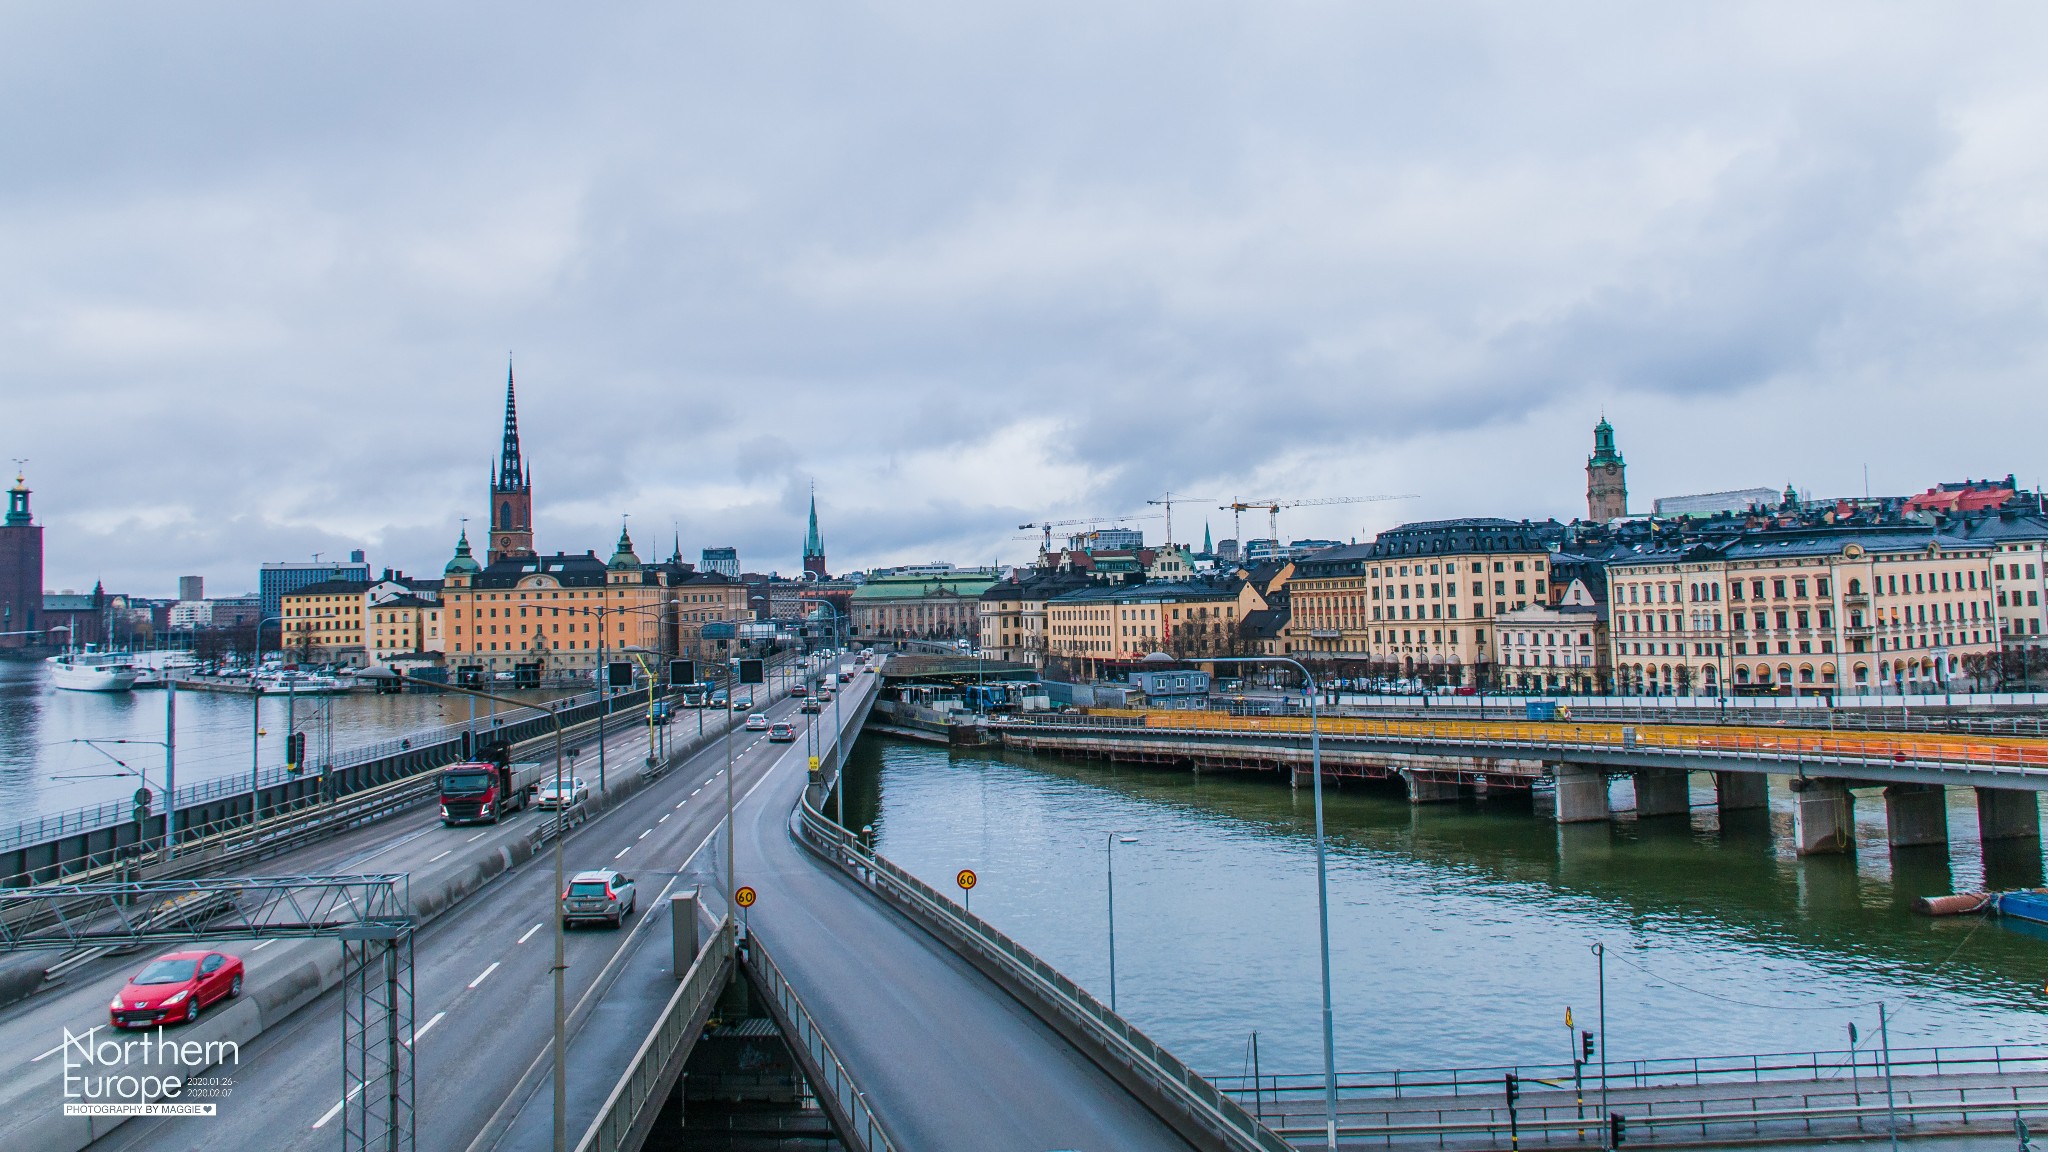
511	492
1606	477
814	545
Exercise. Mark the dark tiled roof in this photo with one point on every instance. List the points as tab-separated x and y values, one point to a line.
331	588
1152	590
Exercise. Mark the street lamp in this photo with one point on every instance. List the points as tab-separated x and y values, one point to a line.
1315	744
1111	840
561	964
256	716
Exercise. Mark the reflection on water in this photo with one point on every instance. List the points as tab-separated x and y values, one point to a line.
1459	932
43	770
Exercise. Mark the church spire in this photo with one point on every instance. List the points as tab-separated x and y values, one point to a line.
511	490
511	472
814	545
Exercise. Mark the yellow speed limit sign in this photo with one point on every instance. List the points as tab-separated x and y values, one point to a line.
966	879
745	897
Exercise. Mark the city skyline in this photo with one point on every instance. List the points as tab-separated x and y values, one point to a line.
1400	252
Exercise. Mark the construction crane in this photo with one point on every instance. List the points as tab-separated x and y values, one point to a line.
1169	500
1273	507
1046	526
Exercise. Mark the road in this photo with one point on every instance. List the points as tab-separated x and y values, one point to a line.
947	1059
483	987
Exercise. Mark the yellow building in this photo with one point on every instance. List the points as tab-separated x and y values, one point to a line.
1417	600
1116	624
1013	614
323	623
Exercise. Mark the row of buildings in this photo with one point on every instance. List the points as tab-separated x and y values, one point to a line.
1745	592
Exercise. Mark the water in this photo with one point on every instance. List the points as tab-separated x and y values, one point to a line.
1459	934
44	770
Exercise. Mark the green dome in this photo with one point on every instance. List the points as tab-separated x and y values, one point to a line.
463	561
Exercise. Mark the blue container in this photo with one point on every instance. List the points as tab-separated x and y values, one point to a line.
2028	904
1542	709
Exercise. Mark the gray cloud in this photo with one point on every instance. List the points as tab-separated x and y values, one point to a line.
969	267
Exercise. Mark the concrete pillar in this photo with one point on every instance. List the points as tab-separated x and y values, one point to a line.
1734	791
1663	792
1423	791
1823	816
2008	814
1581	794
682	911
1916	815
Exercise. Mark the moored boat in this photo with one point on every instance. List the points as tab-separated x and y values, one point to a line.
91	672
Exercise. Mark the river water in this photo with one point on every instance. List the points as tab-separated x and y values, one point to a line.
1459	933
44	769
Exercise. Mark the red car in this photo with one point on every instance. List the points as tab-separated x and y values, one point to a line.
177	986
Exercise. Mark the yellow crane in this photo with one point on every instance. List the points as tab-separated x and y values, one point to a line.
1273	507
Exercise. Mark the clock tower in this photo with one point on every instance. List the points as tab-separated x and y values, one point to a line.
1606	477
511	492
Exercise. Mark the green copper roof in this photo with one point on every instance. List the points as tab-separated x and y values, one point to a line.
463	560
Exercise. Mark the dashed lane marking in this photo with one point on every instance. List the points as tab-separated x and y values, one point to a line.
623	851
529	934
484	975
429	1027
478	836
442	854
643	835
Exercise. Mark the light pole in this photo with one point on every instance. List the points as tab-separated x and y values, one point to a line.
1315	745
256	717
1110	870
561	1070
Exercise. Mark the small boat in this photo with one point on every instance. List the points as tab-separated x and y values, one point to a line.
2024	904
302	684
91	672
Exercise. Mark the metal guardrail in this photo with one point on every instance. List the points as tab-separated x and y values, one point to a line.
834	1084
2023	760
1664	1072
612	1130
1207	1106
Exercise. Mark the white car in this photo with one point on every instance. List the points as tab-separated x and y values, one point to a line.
758	722
552	795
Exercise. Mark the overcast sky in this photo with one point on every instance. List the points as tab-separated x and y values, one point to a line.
970	265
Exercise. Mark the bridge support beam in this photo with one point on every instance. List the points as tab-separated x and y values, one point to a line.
1736	791
1581	794
1663	792
1426	791
1916	815
1823	816
2008	814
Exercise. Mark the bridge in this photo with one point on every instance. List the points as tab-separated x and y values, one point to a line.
913	1024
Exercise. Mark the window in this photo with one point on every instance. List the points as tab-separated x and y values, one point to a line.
1778	589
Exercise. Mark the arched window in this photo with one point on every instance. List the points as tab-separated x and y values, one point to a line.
1855	587
505	514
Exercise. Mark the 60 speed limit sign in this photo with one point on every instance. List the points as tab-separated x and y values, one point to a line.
966	879
745	897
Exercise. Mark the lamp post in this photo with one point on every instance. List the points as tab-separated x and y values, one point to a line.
561	1072
256	716
1315	744
1110	871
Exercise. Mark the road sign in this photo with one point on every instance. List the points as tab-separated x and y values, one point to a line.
745	897
814	763
1567	1017
966	879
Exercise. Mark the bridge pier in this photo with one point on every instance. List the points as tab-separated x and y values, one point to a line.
1425	791
2008	814
1581	794
1916	815
1823	816
1663	792
1735	791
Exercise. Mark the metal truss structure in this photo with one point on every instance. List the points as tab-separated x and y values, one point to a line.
369	914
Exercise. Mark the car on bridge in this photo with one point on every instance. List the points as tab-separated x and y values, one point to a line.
810	708
798	691
573	791
743	701
782	734
601	894
176	986
758	722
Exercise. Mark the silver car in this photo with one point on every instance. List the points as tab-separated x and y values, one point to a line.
603	894
571	790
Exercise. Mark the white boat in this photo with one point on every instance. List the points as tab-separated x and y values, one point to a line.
302	684
92	672
153	668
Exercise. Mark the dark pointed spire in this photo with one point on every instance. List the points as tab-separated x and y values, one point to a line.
814	545
511	473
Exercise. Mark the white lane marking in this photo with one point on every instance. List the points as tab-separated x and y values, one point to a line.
262	946
643	835
331	1112
680	803
442	854
529	934
664	817
693	792
51	1052
429	1027
484	975
478	836
623	851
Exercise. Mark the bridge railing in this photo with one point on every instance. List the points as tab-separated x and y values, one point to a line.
648	1076
1555	740
829	1075
1212	1111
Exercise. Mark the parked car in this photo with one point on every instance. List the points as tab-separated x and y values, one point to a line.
572	789
601	894
782	734
176	986
758	722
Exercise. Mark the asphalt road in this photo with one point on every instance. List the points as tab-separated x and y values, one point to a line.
947	1059
483	991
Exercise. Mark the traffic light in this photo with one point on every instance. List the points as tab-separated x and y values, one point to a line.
619	674
1586	1046
1513	1085
468	742
682	671
750	672
141	805
1617	1130
295	751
